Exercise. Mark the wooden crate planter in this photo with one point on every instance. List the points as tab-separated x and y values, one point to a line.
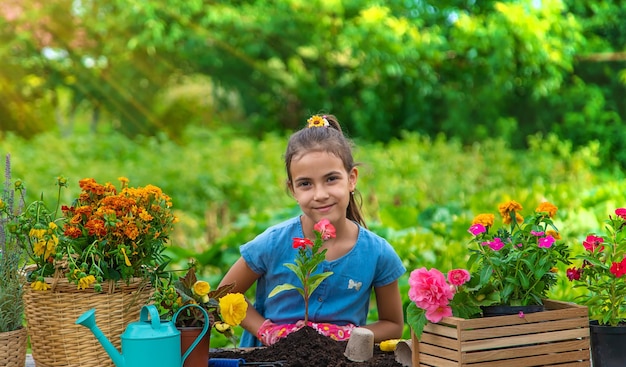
558	336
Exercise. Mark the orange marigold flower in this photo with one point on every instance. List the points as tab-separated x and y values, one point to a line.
505	209
556	235
96	227
547	208
73	232
131	231
484	219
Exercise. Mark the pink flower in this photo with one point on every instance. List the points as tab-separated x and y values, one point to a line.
496	244
536	233
621	212
477	229
428	288
458	277
546	242
521	314
325	228
592	243
436	313
302	243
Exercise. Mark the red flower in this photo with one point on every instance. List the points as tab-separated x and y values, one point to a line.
574	273
621	212
302	243
592	243
618	268
325	228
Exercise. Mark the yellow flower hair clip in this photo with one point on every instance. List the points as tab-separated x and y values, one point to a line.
317	121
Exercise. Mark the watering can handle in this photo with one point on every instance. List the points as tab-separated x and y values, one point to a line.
155	320
207	321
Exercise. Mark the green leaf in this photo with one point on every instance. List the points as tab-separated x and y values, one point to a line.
315	280
280	288
416	318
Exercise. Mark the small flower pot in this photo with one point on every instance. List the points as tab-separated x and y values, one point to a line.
360	346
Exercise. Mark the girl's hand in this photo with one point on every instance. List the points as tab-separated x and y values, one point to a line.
333	331
269	332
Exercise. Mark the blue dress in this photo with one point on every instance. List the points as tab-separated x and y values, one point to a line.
342	298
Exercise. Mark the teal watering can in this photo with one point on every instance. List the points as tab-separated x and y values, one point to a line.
149	342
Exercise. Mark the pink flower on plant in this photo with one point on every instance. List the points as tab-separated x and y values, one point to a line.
325	228
496	244
477	229
621	212
302	243
592	243
428	289
546	242
537	233
436	313
458	277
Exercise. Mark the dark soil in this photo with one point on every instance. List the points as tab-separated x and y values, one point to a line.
307	348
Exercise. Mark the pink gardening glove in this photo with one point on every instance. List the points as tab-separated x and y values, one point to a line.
333	331
269	332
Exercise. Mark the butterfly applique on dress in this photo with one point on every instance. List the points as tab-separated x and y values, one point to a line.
354	285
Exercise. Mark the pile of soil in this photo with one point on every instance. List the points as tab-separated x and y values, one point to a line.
307	348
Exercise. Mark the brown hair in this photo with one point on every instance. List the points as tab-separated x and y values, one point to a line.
326	139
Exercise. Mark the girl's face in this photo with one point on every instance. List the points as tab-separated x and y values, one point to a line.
322	186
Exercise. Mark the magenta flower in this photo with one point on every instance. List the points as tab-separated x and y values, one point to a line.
477	229
496	244
621	212
458	277
546	242
537	233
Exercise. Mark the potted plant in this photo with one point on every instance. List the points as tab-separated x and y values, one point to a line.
13	334
226	310
104	250
514	265
601	273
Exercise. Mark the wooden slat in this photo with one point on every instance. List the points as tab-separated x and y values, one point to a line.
434	350
526	351
523	340
576	356
530	328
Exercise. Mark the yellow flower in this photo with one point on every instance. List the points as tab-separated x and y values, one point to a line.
317	121
39	286
484	219
548	208
233	308
221	326
202	289
85	282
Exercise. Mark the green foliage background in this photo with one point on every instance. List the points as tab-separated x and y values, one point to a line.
419	193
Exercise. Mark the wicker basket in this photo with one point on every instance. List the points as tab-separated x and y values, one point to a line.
57	341
13	348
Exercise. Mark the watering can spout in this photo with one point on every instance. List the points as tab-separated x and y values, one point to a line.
88	320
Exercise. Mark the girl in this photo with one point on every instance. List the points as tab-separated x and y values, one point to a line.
322	177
